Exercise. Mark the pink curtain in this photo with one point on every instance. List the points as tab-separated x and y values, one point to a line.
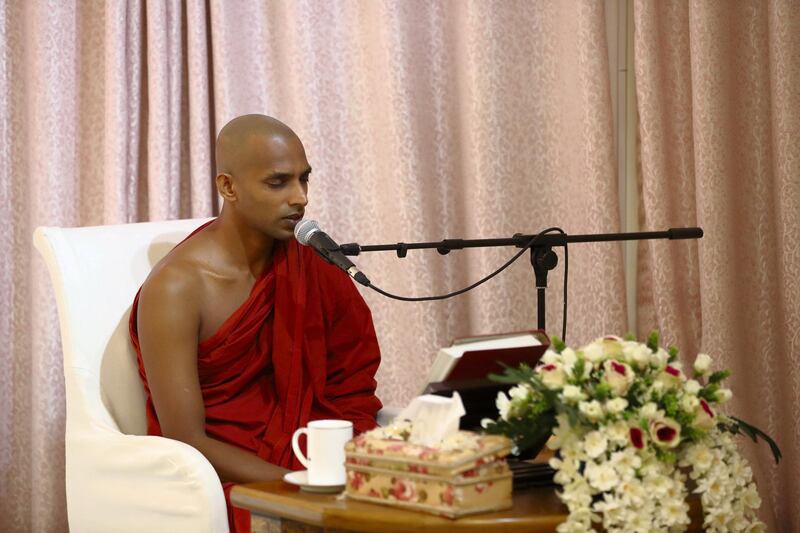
718	94
422	120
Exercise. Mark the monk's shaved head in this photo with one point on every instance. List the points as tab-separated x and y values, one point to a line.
235	142
262	175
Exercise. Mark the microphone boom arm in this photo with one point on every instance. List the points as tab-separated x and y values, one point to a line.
543	258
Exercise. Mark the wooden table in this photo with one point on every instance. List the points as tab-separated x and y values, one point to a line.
276	506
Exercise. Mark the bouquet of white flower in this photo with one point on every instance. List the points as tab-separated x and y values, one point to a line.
631	429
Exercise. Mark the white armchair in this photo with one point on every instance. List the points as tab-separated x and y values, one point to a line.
117	478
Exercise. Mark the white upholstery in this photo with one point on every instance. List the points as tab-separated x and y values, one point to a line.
118	479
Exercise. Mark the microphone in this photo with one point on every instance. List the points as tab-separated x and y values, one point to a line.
307	233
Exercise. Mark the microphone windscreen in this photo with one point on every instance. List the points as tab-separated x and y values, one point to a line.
304	229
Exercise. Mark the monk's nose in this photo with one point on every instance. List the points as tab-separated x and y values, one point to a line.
299	195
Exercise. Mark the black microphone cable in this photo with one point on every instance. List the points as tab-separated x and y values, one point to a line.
508	263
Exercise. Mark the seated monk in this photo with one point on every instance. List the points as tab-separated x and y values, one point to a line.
242	334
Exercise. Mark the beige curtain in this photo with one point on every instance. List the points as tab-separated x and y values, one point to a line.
422	120
718	88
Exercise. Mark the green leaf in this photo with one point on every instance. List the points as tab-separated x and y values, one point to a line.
652	341
529	433
557	344
578	370
709	392
673	354
718	376
754	433
670	402
505	378
629	337
572	414
514	375
602	390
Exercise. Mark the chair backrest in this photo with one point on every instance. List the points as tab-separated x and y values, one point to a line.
96	272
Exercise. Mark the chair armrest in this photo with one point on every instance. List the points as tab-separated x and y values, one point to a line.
122	483
386	415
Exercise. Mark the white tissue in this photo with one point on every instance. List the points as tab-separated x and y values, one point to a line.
433	418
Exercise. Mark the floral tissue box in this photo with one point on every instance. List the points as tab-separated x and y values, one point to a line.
465	474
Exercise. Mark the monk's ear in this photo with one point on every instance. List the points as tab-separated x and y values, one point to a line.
225	187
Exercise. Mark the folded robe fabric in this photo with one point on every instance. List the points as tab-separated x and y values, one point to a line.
301	347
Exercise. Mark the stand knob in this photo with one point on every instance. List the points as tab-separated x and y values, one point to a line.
543	260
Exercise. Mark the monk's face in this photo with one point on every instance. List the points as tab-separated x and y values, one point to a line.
271	184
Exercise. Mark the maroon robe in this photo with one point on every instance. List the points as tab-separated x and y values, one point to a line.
301	347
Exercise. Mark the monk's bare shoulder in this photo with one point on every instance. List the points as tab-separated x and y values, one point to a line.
173	291
181	273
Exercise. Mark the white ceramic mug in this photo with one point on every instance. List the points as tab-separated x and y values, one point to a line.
326	440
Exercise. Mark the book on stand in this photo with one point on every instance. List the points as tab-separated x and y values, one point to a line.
474	358
465	365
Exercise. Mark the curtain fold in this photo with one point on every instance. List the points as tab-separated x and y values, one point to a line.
719	106
422	121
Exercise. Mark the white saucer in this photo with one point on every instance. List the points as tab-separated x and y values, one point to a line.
300	478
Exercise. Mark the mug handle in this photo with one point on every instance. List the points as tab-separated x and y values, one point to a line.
296	446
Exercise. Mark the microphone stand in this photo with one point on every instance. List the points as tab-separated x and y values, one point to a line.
543	259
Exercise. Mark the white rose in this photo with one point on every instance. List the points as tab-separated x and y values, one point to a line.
593	352
550	356
593	410
723	395
619	376
573	394
519	392
692	386
637	353
568	357
659	358
552	375
702	364
616	405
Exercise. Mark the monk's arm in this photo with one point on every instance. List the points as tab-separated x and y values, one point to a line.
168	324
